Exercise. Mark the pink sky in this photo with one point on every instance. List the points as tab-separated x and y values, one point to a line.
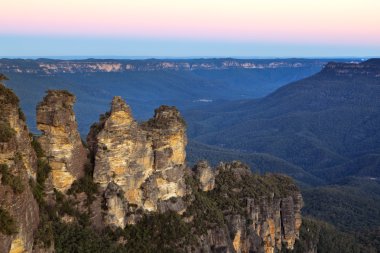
288	21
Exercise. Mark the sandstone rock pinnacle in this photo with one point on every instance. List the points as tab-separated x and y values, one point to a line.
145	160
60	138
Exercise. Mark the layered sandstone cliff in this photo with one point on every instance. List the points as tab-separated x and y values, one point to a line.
60	139
18	165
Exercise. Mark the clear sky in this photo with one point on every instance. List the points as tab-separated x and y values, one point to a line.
190	28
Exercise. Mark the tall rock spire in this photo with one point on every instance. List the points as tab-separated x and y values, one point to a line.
145	162
60	138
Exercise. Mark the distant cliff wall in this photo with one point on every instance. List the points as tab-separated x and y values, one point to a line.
51	67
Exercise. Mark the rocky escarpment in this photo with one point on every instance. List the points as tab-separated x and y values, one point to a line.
138	166
60	139
19	213
136	194
259	213
205	175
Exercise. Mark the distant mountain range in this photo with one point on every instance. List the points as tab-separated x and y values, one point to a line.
146	84
50	67
320	123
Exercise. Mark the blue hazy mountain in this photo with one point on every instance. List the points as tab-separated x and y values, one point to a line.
327	124
146	84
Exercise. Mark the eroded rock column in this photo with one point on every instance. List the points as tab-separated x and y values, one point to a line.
167	130
145	162
123	153
60	138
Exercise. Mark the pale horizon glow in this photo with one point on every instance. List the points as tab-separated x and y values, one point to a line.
319	25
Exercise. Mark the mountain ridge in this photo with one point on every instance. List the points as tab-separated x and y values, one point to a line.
53	66
308	111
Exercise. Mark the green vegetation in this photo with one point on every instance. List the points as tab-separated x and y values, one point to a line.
326	239
44	235
203	208
158	233
43	170
153	233
73	238
234	186
7	178
6	132
321	122
258	162
7	225
85	184
162	233
37	147
323	131
7	96
353	206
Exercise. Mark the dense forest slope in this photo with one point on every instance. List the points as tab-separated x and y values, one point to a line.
325	121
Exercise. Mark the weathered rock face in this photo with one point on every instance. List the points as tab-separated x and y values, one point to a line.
115	205
18	164
123	154
274	222
260	215
205	175
167	131
146	161
60	138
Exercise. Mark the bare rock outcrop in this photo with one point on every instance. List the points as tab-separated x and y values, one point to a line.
18	165
205	175
145	160
60	138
